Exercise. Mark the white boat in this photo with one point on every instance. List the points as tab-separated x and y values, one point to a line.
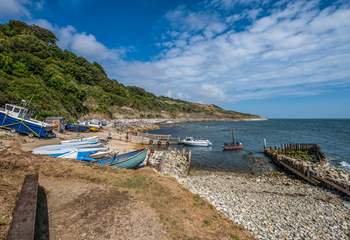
102	154
77	140
81	154
190	141
46	150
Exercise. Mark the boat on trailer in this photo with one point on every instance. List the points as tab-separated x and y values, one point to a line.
233	146
190	141
16	119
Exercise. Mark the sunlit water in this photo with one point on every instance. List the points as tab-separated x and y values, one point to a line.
332	135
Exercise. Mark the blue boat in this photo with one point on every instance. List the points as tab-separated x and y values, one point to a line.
81	154
17	119
77	128
128	160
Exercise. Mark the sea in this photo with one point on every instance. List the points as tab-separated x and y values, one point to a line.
333	135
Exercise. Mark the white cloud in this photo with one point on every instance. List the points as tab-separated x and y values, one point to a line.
295	50
83	44
13	8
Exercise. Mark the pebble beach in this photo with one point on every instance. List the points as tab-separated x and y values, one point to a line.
275	206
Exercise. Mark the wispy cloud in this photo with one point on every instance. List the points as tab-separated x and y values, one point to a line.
233	50
293	49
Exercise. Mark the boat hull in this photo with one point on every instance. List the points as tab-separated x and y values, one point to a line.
77	128
25	126
49	149
197	143
131	162
233	147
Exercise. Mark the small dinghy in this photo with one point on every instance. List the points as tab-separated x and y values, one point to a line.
190	141
233	146
128	160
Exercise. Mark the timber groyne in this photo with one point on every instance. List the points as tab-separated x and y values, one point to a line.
315	170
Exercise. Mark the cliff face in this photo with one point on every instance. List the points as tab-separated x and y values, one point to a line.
57	82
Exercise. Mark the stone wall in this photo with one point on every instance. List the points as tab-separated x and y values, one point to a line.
175	163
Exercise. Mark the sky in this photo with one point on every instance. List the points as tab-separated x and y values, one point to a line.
278	59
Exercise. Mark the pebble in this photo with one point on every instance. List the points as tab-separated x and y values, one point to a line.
275	207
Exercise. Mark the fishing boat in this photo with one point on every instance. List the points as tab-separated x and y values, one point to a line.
233	146
190	141
16	119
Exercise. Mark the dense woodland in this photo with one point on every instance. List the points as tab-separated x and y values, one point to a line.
57	82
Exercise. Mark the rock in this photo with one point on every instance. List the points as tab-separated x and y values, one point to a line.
274	207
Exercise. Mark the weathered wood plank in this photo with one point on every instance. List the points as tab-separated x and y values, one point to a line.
23	221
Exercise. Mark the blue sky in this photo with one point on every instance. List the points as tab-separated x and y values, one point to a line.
281	59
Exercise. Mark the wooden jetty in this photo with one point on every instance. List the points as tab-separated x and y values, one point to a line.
23	221
158	139
315	173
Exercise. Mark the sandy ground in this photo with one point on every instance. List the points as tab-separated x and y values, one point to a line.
80	201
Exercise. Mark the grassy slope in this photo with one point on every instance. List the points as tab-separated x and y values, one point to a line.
82	198
33	67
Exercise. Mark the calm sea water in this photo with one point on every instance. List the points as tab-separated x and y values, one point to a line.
332	135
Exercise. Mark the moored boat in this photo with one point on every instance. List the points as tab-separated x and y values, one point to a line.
233	146
190	141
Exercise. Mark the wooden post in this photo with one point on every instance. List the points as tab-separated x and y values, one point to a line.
23	221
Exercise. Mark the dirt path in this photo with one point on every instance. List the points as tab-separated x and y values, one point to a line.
84	210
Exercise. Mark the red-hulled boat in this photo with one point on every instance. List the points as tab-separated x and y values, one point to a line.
233	146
